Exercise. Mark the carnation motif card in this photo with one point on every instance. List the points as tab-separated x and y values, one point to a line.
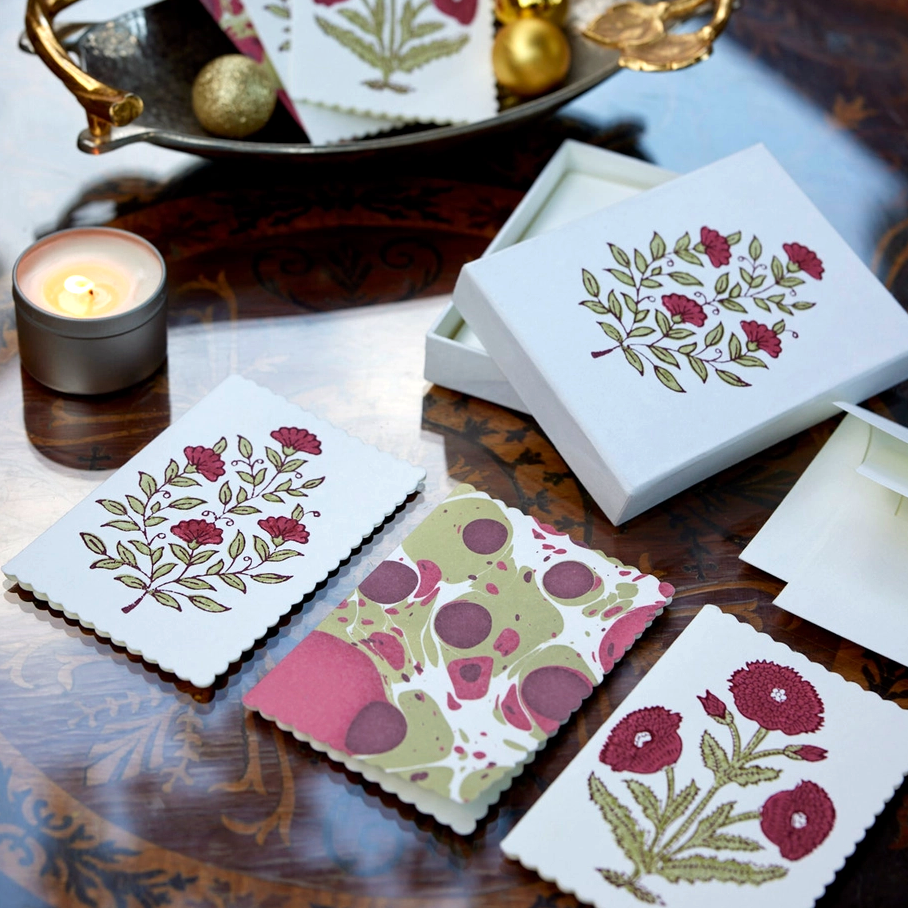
458	656
737	772
672	334
199	544
413	60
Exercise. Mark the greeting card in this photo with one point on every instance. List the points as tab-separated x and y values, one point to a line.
674	333
413	60
737	772
458	656
200	543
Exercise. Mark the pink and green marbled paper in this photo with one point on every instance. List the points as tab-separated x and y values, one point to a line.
458	657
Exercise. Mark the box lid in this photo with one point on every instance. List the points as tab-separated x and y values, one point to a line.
677	332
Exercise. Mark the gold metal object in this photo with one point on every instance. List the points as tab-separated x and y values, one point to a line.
104	106
638	31
555	11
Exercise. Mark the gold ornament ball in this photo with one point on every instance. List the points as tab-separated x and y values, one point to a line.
233	96
530	56
555	11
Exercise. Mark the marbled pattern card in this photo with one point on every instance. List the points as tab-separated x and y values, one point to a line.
206	538
737	772
459	655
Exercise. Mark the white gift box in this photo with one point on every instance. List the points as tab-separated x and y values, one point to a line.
578	180
675	333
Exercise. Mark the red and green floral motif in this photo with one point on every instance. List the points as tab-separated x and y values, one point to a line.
172	574
668	331
648	741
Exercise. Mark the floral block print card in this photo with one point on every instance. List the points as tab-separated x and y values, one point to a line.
458	656
720	307
197	546
415	60
738	772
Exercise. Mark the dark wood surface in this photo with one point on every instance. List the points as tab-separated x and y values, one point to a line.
120	786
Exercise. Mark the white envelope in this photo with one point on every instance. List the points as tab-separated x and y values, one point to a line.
840	537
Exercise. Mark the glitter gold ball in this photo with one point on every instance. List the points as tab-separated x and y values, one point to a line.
511	10
530	56
233	96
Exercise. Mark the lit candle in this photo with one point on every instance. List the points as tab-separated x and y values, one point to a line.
90	309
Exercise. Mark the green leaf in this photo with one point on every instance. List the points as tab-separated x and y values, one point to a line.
180	553
611	331
219	446
801	307
147	484
173	470
269	578
595	306
642	331
663	321
195	583
113	506
282	12
734	347
722	283
628	835
154	521
614	305
734	238
702	868
714	757
137	506
629	301
779	327
656	247
134	583
633	359
354	17
714	338
784	309
619	255
646	798
699	367
313	483
640	261
680	333
640	315
687	348
421	54
735	291
166	599
292	465
237	546
687	280
762	304
298	512
682	243
283	486
273	456
261	547
748	360
260	476
141	547
243	509
686	256
125	526
241	495
274	499
184	481
755	250
649	283
625	881
678	807
107	564
244	446
224	494
731	379
215	568
668	379
753	775
157	554
622	276
746	276
207	605
284	554
202	556
163	569
665	355
424	29
126	555
245	476
590	284
791	282
758	281
234	581
94	543
187	504
722	841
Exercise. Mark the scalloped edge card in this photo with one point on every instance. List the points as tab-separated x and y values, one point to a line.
460	655
197	546
424	61
736	772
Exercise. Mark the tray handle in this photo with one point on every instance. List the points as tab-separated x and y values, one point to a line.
104	106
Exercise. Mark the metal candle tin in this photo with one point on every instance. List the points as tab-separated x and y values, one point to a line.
92	355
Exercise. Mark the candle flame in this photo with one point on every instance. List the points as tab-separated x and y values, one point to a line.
78	284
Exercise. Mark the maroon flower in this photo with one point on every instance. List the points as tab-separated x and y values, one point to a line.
644	741
799	820
297	439
806	259
777	697
715	246
464	11
284	529
198	532
328	2
684	309
205	461
714	706
807	752
762	337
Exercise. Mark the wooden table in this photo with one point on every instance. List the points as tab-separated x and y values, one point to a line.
121	786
